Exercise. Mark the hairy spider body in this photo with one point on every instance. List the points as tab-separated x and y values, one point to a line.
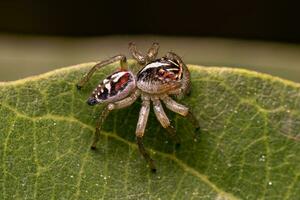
160	76
155	81
115	87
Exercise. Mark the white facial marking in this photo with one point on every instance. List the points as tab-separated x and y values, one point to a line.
101	90
173	63
173	69
154	65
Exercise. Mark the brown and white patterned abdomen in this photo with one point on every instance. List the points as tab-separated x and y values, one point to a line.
113	88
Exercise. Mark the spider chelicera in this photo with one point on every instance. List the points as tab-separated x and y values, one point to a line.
156	80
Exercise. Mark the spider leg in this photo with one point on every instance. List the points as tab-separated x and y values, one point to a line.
164	121
112	106
137	55
99	124
140	129
186	80
182	110
152	52
85	78
143	151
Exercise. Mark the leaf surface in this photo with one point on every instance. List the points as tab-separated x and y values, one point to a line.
249	147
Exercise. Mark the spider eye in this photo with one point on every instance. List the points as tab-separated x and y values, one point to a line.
113	88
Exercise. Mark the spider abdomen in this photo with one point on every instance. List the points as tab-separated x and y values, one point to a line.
116	86
160	76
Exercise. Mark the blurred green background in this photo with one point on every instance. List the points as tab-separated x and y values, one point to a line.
39	36
22	56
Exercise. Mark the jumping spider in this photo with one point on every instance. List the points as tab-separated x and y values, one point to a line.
155	81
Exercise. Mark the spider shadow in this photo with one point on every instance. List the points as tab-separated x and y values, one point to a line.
123	123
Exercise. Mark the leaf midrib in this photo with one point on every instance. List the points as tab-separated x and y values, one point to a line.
171	157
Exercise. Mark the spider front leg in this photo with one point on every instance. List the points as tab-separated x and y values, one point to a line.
137	55
140	129
152	52
85	78
182	110
112	106
99	124
164	121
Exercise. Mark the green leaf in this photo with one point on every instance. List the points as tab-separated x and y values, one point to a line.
249	148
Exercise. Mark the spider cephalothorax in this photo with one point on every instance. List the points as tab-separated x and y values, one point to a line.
160	76
155	81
